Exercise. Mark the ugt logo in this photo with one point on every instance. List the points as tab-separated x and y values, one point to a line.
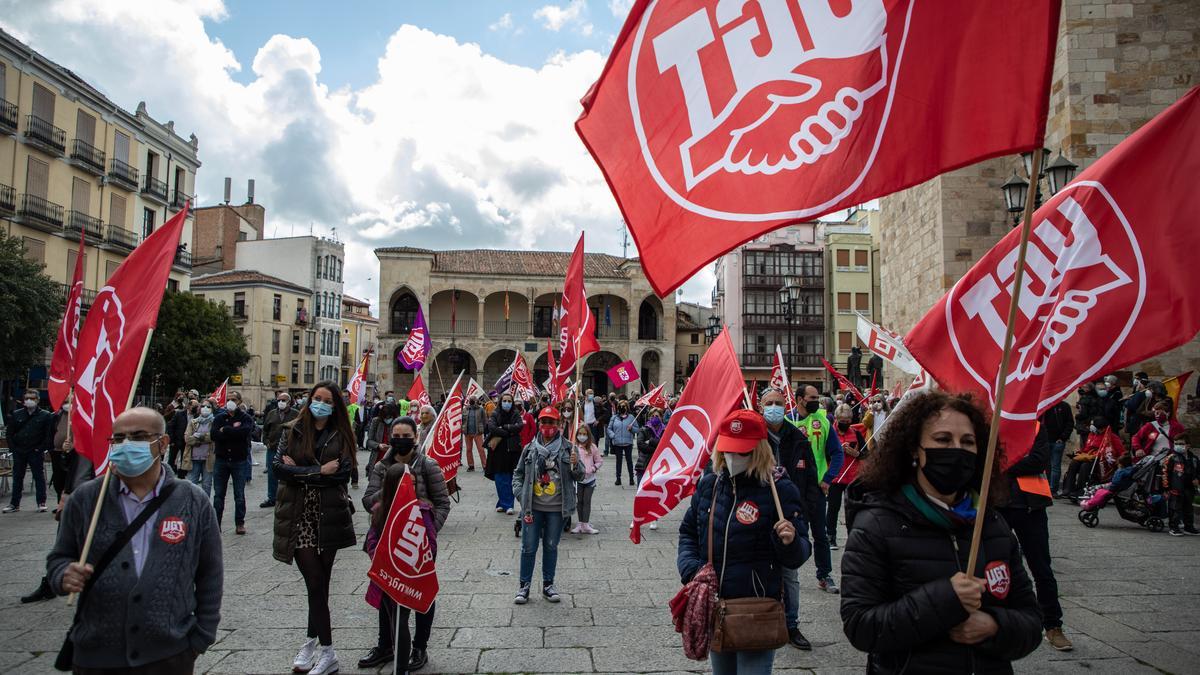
770	88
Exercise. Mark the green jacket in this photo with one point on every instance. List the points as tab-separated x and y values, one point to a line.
817	437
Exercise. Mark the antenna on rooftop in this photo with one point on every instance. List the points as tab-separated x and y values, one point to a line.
624	240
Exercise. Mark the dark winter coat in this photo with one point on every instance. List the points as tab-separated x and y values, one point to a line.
507	427
428	481
1036	463
745	546
897	601
336	526
30	431
647	443
1110	409
1087	408
1058	422
794	453
177	428
229	442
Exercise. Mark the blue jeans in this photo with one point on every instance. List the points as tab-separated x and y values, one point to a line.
791	597
199	476
249	467
272	481
815	515
504	493
223	470
37	464
1056	453
547	527
742	663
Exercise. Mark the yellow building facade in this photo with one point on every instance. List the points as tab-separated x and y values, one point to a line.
360	332
851	258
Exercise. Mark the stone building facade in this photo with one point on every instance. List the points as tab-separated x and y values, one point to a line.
1117	65
483	306
691	340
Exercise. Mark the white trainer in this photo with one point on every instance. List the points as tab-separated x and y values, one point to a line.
306	658
327	664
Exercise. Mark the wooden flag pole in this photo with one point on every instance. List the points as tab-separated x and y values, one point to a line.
1002	376
91	532
439	375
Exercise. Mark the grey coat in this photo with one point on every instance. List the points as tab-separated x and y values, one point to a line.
526	473
129	621
428	481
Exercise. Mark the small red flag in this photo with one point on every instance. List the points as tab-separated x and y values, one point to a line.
780	382
221	394
445	441
623	373
754	394
63	363
843	382
1105	284
674	469
357	387
653	398
403	565
114	336
417	391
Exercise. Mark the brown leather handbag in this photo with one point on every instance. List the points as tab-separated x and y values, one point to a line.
745	624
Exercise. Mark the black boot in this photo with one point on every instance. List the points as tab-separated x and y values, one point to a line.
375	658
418	660
43	592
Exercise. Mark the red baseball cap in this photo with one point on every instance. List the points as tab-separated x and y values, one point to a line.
549	411
740	432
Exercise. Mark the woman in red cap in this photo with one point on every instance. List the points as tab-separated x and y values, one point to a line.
544	482
752	543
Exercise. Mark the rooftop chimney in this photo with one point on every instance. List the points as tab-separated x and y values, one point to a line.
250	191
228	188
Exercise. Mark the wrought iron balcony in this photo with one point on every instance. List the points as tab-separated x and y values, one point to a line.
87	156
614	331
460	327
86	298
45	135
506	328
8	117
776	281
121	238
155	189
178	199
78	221
40	213
123	175
801	321
183	259
8	199
767	360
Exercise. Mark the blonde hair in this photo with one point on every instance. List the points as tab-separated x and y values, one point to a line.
762	461
845	411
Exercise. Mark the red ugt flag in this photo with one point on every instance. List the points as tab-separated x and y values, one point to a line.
221	393
63	363
112	339
417	392
577	332
654	398
445	442
1106	281
672	473
716	121
623	373
357	387
403	564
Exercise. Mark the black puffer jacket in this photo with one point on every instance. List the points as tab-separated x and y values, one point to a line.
507	427
743	534
897	601
336	526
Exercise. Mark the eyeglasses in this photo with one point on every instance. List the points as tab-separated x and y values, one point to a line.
117	439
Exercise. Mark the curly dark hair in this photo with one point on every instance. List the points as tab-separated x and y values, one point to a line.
889	465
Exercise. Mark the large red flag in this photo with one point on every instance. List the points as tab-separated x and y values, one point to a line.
63	363
577	327
1105	286
672	473
403	565
715	121
445	441
113	337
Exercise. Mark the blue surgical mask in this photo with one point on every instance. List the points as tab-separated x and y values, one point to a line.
1102	392
320	409
507	405
773	414
131	458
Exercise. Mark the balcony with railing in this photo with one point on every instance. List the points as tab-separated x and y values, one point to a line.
121	238
178	199
45	135
8	199
458	327
86	299
301	317
506	328
183	259
761	360
776	281
41	213
78	221
123	175
154	189
613	331
8	117
87	156
781	320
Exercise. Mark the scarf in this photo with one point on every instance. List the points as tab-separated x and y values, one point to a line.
656	425
543	452
962	513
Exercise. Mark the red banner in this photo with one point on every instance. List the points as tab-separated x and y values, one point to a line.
417	393
843	383
577	326
221	393
1105	285
357	387
672	473
113	337
653	398
623	373
522	380
403	565
445	441
63	362
715	122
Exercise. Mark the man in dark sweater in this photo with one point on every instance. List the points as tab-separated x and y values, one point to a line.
30	434
231	432
157	605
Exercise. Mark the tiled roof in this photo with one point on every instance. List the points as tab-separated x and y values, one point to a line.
684	320
523	263
244	277
351	300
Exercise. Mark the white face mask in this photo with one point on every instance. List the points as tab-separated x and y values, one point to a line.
230	406
738	464
582	438
282	405
30	403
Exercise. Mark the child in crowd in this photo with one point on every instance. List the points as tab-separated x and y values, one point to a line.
592	459
1180	477
1122	479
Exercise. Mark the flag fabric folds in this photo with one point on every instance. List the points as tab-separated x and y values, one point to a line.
1175	387
1103	287
418	346
653	398
63	362
577	326
444	442
357	387
715	122
843	382
220	394
403	564
417	392
888	345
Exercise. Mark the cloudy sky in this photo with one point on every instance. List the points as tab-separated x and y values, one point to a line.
435	123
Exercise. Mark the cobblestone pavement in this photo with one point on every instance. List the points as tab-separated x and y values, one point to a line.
1128	594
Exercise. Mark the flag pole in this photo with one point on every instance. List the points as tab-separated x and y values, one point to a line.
429	437
1002	376
439	374
91	532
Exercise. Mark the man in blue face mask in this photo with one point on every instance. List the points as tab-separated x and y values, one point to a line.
164	584
231	432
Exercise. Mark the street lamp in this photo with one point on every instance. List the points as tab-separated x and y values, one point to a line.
1059	173
714	328
1015	191
1027	161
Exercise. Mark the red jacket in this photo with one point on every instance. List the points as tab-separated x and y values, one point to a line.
1108	447
854	436
528	429
1144	439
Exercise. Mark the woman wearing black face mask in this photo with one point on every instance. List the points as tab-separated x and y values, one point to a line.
430	485
907	598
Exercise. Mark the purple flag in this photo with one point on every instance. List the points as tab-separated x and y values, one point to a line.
417	349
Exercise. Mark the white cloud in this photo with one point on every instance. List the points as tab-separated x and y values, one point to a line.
466	151
555	17
503	23
620	8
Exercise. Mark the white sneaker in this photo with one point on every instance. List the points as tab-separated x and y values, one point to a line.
41	508
654	525
11	509
588	529
327	664
578	529
306	658
509	511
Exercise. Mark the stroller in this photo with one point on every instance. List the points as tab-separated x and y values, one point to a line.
1142	502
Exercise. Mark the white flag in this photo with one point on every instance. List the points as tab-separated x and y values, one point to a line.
887	345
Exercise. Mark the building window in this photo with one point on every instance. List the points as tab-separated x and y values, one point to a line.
242	236
274	372
693	361
239	305
147	222
695	338
275	341
172	285
110	268
843	303
309	370
35	250
404	313
842	259
310	342
845	341
862	302
295	342
295	372
860	260
317	306
277	307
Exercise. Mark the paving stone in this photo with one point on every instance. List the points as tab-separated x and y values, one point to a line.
535	661
494	638
559	617
639	656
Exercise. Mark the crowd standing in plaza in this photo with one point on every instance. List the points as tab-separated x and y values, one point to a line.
905	500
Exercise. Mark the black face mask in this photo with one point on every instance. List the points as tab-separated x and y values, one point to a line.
401	445
843	426
949	470
811	407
